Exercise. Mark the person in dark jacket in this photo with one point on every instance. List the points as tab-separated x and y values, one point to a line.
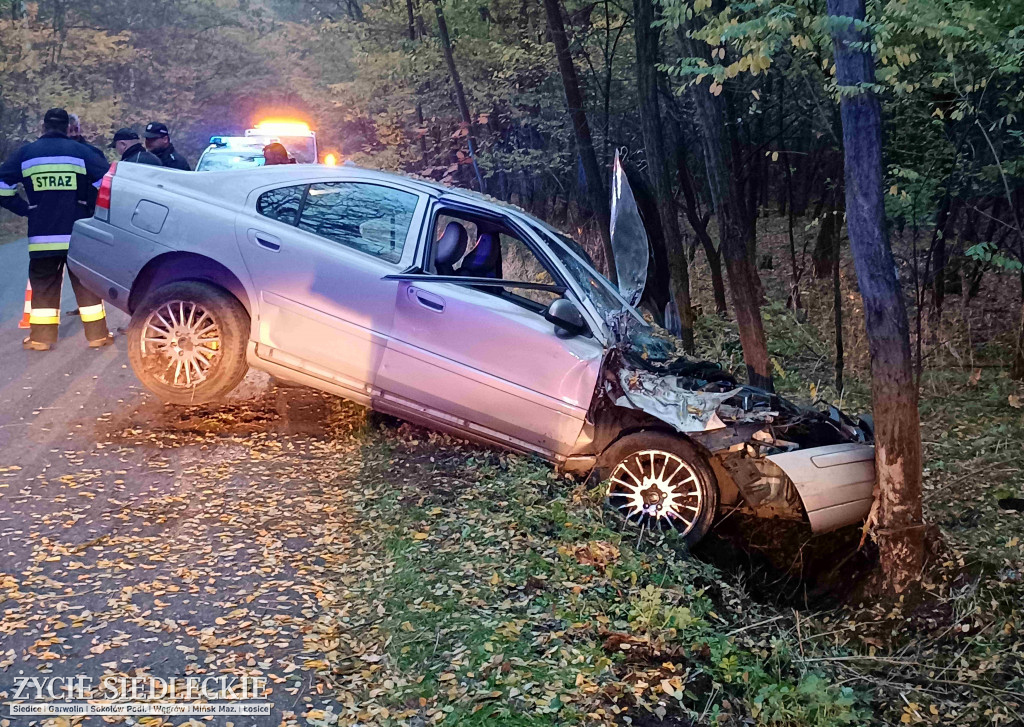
275	153
87	205
129	146
75	133
158	141
56	173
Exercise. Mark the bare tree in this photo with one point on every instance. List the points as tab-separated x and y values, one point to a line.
898	527
647	37
460	92
733	223
581	129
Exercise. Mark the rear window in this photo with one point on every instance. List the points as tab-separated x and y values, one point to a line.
367	217
281	204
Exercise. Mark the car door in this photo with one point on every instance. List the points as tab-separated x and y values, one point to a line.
489	361
317	253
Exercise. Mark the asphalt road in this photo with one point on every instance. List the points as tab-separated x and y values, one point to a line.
138	539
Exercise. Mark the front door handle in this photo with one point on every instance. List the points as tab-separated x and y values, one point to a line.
427	300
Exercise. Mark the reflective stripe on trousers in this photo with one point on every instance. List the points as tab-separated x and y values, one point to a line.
44	316
47	277
91	313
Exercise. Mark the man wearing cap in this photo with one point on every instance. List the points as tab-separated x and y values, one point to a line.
128	145
56	173
158	141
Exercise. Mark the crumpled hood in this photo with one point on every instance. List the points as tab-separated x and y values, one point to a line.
666	397
699	396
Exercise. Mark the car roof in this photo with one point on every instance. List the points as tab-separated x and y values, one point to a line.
235	185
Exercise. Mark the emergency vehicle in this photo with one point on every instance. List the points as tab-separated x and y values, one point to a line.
243	152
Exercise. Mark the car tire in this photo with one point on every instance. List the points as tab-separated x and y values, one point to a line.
186	342
660	463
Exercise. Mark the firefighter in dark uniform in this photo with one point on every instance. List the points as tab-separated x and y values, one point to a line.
158	141
56	172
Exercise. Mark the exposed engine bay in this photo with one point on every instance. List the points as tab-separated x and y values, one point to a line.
771	457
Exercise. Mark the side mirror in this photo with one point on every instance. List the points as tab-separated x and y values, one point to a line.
567	318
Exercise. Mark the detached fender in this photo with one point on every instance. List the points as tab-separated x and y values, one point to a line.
835	483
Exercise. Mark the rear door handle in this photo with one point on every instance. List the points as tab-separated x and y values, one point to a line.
267	242
427	300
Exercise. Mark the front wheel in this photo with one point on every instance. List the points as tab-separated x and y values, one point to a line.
658	480
186	342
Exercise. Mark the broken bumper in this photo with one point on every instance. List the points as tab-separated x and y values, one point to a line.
835	483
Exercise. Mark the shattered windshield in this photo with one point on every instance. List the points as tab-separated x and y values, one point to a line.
570	253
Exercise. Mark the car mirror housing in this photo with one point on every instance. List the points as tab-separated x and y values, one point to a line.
567	318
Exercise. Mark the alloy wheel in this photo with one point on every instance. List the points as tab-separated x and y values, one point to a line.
181	341
656	488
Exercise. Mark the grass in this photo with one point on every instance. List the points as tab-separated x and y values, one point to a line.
508	596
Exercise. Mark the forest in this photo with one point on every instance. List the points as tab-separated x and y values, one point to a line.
834	193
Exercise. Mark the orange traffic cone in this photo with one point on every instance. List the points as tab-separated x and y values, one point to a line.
24	322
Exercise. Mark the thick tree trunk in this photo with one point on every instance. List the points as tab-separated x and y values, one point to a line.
657	165
743	281
460	92
898	525
599	205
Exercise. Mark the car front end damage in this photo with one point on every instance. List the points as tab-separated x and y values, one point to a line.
770	457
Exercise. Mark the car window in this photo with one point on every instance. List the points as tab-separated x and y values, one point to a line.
366	217
519	263
281	204
440	224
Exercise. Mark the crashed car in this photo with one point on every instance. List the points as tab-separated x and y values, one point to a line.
456	312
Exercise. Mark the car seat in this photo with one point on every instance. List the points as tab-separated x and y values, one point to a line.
450	247
483	260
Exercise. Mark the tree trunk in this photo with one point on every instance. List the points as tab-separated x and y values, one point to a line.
717	282
1017	368
581	129
898	523
460	93
837	302
743	280
699	223
657	165
412	16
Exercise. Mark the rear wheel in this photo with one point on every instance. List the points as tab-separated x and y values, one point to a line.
186	342
658	480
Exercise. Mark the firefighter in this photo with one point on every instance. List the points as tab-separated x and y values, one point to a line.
128	145
158	141
56	173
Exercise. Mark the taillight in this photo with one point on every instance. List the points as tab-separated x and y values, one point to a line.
103	197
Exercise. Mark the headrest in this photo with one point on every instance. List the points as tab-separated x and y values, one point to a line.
482	259
452	244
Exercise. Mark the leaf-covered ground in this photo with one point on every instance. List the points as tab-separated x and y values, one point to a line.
380	574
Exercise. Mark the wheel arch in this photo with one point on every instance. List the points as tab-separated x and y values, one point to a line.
181	266
640	428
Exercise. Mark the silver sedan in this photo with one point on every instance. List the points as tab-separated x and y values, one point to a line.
456	312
